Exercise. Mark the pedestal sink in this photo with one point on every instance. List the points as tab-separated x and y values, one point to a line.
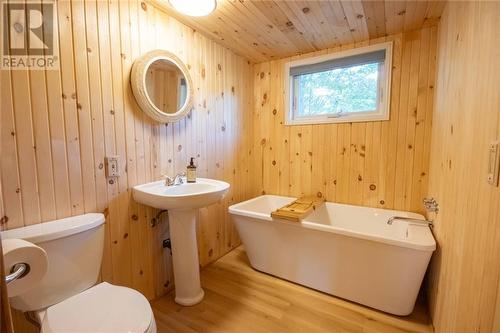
182	202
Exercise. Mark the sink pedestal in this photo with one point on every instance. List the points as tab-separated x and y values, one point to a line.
185	256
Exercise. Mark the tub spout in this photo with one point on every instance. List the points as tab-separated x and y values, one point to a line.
410	219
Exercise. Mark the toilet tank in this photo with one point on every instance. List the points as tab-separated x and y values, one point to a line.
74	248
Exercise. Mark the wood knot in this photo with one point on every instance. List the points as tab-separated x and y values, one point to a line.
262	142
289	24
135	217
319	195
360	16
273	162
4	220
373	187
262	74
305	10
144	6
382	202
275	111
125	236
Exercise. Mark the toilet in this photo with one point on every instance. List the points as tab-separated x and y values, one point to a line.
67	298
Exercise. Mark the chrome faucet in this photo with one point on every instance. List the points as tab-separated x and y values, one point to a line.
177	180
431	205
410	219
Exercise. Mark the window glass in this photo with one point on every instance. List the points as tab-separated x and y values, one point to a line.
351	89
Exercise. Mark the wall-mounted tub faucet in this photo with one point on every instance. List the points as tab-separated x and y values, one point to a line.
410	219
431	205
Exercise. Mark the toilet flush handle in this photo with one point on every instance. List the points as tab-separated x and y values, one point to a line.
17	271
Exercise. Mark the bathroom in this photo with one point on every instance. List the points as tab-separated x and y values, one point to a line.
321	166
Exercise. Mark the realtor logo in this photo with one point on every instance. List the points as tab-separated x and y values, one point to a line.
29	35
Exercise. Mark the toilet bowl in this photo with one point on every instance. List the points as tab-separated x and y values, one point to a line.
103	308
67	299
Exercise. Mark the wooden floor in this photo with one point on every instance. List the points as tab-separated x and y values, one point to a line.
240	299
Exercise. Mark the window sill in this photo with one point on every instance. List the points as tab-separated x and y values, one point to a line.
336	120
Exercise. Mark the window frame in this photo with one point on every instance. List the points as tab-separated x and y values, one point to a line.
383	95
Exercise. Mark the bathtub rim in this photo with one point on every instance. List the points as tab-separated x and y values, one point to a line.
429	246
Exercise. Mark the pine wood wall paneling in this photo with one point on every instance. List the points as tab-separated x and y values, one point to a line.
10	164
42	143
107	105
465	270
86	111
68	94
378	164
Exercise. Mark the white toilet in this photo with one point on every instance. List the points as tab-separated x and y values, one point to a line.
67	299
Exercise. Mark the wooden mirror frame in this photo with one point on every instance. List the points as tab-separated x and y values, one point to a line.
138	83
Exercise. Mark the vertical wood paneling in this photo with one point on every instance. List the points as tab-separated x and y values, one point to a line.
57	127
465	270
378	164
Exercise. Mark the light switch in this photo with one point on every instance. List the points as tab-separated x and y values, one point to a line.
493	163
112	169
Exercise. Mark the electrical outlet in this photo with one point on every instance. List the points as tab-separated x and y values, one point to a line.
493	163
112	170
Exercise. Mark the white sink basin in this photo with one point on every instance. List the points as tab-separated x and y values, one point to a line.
182	202
185	196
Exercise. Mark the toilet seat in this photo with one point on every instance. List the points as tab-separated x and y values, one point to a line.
104	308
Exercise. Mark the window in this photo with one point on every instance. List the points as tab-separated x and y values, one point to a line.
349	86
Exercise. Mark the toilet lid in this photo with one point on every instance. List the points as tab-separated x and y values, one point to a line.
103	308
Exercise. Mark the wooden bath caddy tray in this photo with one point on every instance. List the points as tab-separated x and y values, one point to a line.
298	209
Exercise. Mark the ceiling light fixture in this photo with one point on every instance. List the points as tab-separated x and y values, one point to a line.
194	7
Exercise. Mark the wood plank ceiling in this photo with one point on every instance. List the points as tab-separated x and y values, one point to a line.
265	30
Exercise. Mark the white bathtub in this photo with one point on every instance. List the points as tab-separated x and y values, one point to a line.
343	250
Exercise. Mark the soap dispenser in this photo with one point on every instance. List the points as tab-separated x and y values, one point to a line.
191	172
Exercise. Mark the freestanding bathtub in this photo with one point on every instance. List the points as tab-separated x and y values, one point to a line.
343	250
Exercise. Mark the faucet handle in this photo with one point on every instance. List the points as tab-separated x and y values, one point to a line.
169	181
431	205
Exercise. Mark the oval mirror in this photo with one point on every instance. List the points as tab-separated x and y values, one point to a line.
162	86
